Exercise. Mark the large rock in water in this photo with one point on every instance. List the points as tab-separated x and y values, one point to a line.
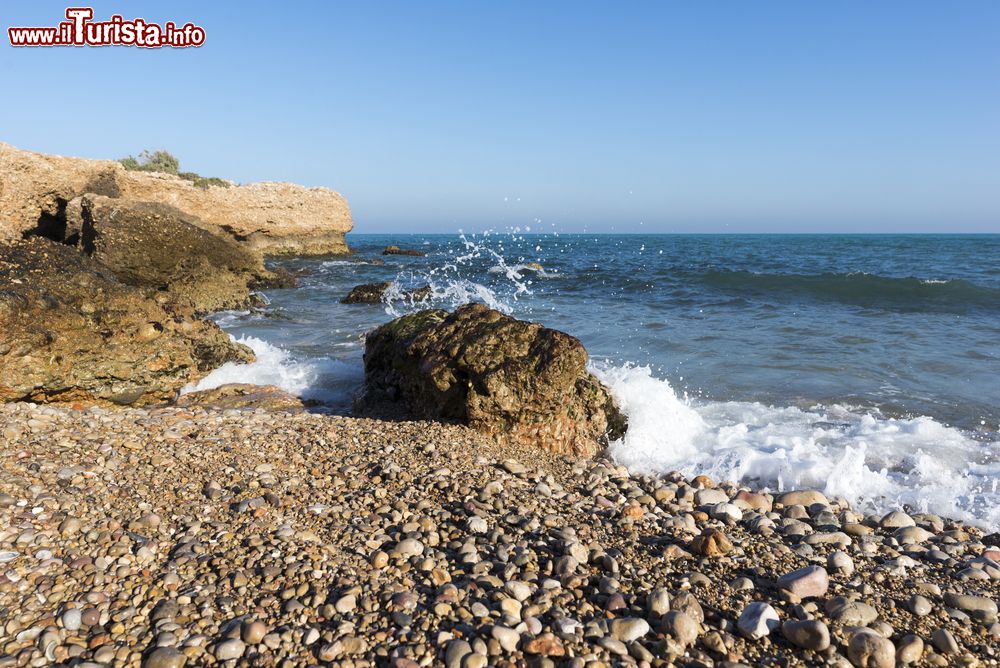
69	331
267	218
499	375
153	245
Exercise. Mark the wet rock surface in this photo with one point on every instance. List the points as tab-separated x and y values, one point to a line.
187	536
396	250
69	331
501	376
375	293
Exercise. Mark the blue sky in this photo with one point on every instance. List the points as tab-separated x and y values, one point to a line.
630	117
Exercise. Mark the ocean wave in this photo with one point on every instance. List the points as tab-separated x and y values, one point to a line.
859	289
875	462
327	380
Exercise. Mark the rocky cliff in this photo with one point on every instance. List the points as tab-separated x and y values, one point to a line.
268	218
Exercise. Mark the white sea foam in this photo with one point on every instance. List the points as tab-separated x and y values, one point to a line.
877	463
328	380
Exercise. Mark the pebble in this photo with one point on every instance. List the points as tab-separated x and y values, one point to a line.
808	582
658	602
840	562
365	543
944	641
163	657
253	632
72	619
910	649
810	634
229	649
867	649
919	605
508	638
967	603
757	620
896	519
681	627
627	630
850	613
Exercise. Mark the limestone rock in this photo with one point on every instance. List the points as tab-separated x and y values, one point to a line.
69	331
153	245
501	376
243	396
268	218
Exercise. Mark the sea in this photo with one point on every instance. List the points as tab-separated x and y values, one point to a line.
866	366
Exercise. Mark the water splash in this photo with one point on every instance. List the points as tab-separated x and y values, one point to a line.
875	462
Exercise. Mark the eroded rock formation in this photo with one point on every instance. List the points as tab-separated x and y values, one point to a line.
268	218
153	245
69	331
501	376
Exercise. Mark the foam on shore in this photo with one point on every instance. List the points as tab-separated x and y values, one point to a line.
877	463
327	380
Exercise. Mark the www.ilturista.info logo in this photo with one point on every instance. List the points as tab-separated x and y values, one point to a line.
81	30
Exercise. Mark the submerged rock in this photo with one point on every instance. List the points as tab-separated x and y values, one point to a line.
69	331
369	293
499	375
396	250
374	293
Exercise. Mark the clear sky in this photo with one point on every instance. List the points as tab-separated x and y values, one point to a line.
631	117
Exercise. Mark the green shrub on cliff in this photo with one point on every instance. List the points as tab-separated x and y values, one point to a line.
162	161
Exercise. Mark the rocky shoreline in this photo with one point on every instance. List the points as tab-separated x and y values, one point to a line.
235	527
189	536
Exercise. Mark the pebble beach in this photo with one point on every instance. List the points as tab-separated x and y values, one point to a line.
168	537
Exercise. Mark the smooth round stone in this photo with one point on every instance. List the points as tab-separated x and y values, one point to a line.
810	634
850	613
967	603
726	512
868	649
910	649
710	497
658	602
519	590
346	604
681	626
627	630
808	582
254	632
944	641
758	620
72	619
919	605
229	649
897	519
912	535
410	547
455	652
162	657
508	638
840	562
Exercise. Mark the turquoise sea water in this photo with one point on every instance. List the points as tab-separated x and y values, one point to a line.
867	365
